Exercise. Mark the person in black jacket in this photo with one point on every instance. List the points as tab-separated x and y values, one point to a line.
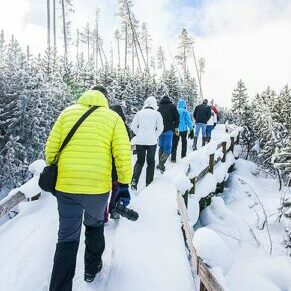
115	186
202	114
171	119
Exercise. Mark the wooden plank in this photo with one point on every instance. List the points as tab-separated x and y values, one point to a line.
224	144
207	277
209	282
232	144
192	190
187	231
185	197
10	203
219	146
211	164
202	174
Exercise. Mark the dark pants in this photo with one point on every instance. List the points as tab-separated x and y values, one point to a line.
166	141
183	135
113	196
145	152
71	208
209	130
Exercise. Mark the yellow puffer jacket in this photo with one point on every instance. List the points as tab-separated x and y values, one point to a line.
85	164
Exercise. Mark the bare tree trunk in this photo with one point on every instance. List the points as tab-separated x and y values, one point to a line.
125	41
65	31
54	23
48	25
198	74
97	38
118	48
147	51
77	46
132	55
135	37
101	59
111	56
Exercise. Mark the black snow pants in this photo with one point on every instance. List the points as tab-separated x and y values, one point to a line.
147	152
183	135
71	208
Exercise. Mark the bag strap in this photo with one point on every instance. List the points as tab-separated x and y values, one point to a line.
73	130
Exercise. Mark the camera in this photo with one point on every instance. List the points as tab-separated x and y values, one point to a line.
124	211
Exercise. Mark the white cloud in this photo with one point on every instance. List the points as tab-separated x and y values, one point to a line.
248	39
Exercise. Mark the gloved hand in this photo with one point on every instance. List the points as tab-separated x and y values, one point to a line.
177	133
191	134
123	194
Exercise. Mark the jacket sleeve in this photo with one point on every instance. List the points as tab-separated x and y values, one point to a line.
176	117
189	121
121	151
134	124
209	113
195	113
160	124
54	141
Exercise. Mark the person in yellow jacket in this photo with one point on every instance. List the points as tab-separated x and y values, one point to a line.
84	182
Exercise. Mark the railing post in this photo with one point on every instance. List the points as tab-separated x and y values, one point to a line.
238	138
202	287
224	151
185	197
232	144
193	181
211	164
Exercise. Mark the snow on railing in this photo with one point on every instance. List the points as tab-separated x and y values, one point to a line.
29	191
206	171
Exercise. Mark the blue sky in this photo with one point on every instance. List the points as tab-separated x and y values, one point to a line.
248	39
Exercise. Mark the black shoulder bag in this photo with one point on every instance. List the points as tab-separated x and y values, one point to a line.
48	177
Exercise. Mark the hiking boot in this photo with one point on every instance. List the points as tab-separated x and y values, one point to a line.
89	278
195	143
133	185
161	168
204	140
162	161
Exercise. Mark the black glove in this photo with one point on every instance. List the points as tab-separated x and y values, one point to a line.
123	194
191	134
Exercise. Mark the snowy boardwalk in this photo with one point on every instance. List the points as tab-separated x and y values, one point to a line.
145	255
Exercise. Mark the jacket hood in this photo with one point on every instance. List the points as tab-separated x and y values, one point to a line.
151	102
181	104
165	100
93	98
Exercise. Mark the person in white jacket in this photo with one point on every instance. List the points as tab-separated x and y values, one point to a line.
210	125
147	125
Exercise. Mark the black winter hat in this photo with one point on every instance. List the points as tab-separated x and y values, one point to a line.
101	89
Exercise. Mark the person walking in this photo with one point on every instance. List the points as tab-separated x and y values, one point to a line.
170	117
147	125
210	125
185	125
115	185
216	113
84	181
202	114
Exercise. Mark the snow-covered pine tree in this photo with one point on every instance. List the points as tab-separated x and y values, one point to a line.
242	114
170	85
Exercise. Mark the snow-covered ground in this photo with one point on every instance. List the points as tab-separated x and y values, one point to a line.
150	254
234	238
145	255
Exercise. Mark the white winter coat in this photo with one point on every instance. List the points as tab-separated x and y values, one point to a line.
147	124
211	121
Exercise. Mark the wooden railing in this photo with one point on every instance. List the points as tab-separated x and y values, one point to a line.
208	282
